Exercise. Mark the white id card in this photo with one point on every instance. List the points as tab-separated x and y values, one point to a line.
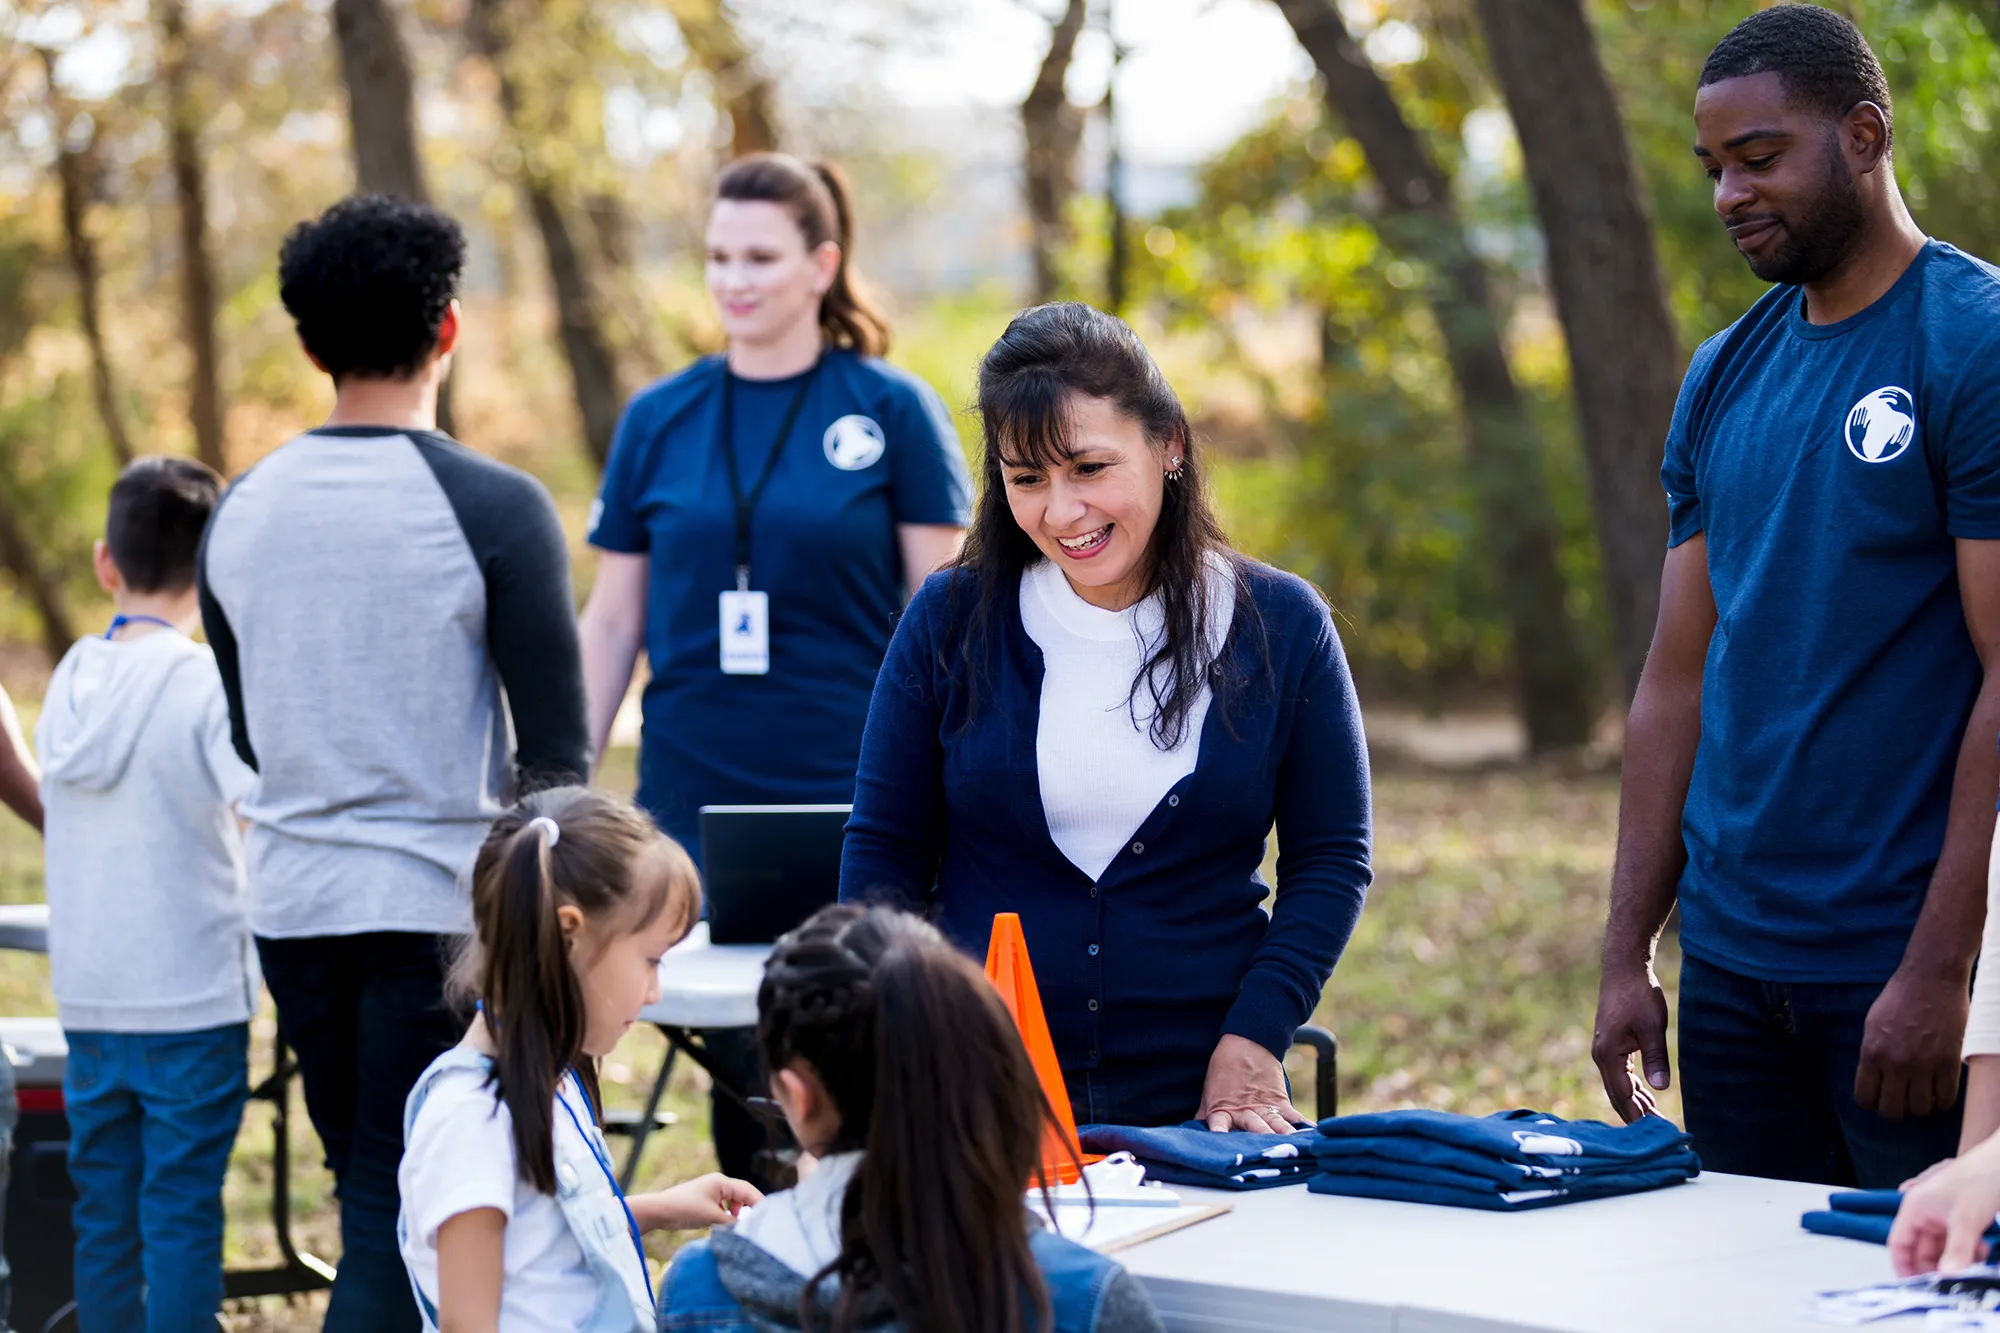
746	633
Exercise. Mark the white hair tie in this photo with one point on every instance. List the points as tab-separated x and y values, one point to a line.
543	822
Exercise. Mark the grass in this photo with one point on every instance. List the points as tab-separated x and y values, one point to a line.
1469	986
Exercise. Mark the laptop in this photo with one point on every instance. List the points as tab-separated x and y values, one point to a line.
766	868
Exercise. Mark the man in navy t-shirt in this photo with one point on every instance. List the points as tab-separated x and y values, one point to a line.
1810	759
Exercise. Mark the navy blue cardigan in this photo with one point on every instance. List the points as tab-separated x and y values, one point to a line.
1171	948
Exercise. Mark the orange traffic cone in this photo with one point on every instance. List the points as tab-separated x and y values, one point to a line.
1008	968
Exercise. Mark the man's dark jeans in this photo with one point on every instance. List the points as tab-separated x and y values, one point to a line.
365	1014
1767	1082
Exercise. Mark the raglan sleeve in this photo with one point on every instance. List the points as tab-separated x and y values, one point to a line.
221	636
929	482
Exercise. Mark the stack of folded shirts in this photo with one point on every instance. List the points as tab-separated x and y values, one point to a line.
1865	1215
1192	1154
1505	1162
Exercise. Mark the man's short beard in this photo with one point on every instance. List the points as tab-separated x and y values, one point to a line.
1822	234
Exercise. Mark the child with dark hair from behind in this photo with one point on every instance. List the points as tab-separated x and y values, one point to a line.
512	1221
149	947
897	1064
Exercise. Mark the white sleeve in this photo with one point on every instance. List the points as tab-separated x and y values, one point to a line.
233	777
460	1156
1982	1023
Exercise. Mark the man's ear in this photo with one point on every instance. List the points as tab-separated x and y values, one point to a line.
1865	136
448	330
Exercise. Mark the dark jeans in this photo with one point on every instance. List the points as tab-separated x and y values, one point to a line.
1135	1093
365	1014
1767	1082
9	1117
152	1117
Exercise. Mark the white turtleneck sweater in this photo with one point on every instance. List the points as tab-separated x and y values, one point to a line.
1101	774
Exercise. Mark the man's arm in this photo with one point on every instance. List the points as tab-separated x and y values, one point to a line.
516	538
1910	1047
1662	732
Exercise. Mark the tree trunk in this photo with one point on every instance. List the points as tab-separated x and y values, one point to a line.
1503	460
381	100
198	285
382	117
593	371
1625	359
1051	126
34	580
748	97
75	171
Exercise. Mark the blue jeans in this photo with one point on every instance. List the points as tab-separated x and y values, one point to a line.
1767	1083
9	1117
365	1015
152	1117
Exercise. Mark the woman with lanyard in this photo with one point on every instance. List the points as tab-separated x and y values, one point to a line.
1095	720
763	515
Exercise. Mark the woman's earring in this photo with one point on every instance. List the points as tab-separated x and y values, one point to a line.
1174	473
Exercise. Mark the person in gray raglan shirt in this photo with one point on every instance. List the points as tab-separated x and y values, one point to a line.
382	602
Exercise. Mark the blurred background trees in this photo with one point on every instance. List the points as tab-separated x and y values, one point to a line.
1430	312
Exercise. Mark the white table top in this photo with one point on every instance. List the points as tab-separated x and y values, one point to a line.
1717	1255
25	926
705	985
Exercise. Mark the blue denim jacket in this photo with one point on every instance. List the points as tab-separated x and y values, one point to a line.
1088	1292
590	1203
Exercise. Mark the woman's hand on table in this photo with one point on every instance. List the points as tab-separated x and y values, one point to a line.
1245	1089
712	1200
1942	1223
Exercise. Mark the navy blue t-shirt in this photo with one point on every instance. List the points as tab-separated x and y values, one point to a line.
1831	467
872	447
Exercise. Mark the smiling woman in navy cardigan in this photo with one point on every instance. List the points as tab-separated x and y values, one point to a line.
1095	719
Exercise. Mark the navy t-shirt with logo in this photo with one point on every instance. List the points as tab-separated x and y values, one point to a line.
1831	467
871	447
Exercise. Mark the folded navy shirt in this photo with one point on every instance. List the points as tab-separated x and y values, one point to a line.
1865	1215
1519	1136
1193	1154
1504	1162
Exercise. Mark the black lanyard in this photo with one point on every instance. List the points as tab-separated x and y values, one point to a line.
746	505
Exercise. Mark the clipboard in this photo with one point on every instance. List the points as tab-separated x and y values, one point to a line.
1112	1229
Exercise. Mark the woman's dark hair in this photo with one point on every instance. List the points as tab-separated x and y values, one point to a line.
368	283
819	200
159	507
924	1064
608	860
1048	356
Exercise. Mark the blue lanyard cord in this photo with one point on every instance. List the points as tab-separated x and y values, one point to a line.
604	1165
120	622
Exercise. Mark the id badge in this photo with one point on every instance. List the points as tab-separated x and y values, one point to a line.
746	633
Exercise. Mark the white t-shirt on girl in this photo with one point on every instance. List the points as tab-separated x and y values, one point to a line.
460	1156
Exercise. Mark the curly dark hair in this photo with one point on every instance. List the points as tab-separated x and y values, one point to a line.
368	283
1822	58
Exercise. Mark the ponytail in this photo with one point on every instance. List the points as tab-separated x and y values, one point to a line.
564	846
927	1070
821	203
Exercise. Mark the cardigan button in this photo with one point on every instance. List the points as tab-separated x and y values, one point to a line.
1092	1006
1173	800
1138	849
1093	951
1093	890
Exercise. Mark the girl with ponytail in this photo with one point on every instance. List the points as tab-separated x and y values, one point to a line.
511	1218
764	514
897	1064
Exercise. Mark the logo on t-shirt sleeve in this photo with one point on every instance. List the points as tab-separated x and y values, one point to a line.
1881	426
854	442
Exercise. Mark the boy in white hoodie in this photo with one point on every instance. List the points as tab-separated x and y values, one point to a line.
154	971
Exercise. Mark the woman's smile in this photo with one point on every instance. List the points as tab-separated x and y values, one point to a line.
1087	545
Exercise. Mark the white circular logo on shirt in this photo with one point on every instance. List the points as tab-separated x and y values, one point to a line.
854	442
1881	426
